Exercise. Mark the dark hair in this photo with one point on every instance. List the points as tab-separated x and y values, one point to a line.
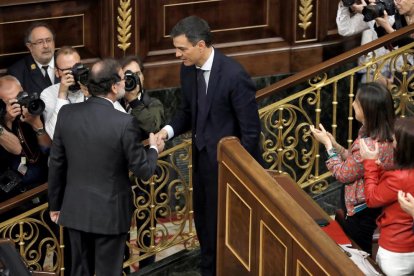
378	108
404	136
194	28
128	59
35	25
103	75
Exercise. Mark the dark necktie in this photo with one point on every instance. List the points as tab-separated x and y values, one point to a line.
47	78
201	108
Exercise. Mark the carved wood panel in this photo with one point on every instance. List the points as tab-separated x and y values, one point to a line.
266	36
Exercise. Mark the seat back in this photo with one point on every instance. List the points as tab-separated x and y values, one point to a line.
11	263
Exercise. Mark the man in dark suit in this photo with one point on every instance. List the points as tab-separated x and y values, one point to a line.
94	148
218	100
37	70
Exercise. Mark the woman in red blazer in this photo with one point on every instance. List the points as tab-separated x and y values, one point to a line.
396	243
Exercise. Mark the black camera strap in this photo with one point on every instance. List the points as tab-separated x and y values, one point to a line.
27	151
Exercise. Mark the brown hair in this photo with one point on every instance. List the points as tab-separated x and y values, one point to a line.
404	136
378	108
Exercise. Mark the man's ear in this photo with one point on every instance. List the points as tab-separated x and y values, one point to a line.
113	89
29	46
201	44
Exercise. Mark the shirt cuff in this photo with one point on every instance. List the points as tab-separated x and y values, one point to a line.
170	131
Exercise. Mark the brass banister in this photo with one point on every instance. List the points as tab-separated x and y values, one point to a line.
333	62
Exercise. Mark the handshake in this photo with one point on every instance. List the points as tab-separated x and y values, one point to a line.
158	140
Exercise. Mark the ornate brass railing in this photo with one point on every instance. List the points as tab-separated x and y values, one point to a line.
165	202
287	142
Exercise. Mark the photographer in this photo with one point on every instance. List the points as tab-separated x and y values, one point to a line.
351	21
148	111
21	117
403	17
67	91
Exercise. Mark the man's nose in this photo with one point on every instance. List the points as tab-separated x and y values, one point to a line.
178	53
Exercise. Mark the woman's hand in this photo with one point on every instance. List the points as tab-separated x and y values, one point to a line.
321	136
366	153
406	201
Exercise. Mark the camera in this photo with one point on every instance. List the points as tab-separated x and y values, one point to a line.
371	12
132	81
80	74
32	102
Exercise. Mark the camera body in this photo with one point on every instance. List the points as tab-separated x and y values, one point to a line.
32	102
371	12
132	81
81	74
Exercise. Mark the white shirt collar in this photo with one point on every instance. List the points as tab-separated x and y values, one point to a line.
209	62
116	104
51	64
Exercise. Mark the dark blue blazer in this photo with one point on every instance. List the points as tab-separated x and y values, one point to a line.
94	147
29	75
232	107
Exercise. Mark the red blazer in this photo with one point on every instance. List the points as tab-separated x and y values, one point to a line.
381	188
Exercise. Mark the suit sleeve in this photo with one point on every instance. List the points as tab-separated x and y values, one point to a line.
379	190
57	169
182	119
141	162
243	99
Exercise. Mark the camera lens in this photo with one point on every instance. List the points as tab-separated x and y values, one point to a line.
36	107
131	81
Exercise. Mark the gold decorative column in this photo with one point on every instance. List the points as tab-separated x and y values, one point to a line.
305	15
124	24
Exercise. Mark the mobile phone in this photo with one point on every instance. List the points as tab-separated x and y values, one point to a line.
322	222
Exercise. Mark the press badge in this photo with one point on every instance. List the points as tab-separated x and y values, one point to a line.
22	166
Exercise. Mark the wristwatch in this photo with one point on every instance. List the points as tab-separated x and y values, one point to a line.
1	130
40	131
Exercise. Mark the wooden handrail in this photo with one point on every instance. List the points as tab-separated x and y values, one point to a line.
21	198
333	62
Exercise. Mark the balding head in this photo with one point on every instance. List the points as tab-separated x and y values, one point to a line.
104	74
9	88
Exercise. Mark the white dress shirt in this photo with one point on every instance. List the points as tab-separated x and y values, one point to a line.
54	104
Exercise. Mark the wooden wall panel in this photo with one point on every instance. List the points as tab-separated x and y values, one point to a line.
282	237
76	23
267	37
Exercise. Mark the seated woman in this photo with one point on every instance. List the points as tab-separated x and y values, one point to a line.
396	242
373	107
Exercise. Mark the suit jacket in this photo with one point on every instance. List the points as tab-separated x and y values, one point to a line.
29	74
93	149
232	107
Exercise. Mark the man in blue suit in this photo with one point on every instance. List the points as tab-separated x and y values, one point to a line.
218	100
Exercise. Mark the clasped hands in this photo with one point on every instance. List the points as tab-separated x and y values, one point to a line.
158	139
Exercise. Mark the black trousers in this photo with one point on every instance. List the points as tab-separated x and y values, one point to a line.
361	226
96	253
205	194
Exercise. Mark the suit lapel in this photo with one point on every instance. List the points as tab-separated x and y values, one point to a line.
212	83
35	73
193	77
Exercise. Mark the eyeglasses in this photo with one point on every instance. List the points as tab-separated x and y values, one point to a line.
63	69
41	42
